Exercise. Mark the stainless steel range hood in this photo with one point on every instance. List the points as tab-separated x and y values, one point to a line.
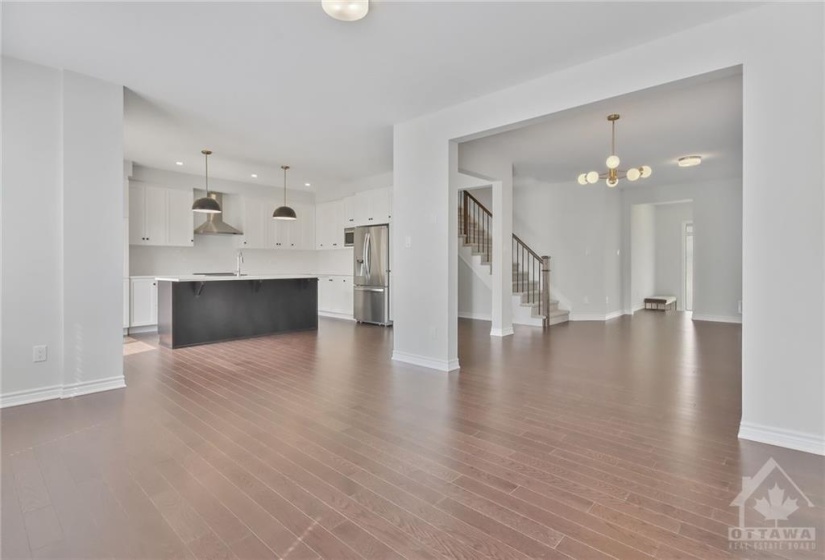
214	224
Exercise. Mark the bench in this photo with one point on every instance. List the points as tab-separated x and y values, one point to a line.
661	303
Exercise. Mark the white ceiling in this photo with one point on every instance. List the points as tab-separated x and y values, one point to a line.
701	116
263	84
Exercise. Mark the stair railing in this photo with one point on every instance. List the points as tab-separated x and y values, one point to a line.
531	272
476	224
531	276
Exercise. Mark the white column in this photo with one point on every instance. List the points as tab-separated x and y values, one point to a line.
502	308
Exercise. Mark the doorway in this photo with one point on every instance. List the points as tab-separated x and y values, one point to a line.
687	285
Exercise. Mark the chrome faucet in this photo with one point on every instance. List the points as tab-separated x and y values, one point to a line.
239	262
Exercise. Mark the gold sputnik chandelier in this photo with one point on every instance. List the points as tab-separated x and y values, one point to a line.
613	173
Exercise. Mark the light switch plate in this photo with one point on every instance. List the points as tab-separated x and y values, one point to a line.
40	353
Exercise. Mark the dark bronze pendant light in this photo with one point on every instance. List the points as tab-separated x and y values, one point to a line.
284	212
207	204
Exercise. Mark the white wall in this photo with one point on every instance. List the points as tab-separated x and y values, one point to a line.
717	244
780	47
474	297
62	233
642	253
670	222
346	188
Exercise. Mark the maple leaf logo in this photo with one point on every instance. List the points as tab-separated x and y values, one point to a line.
777	506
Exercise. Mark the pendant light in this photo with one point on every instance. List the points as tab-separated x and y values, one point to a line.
284	212
207	204
613	173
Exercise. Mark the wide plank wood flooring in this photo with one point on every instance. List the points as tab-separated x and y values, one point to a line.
593	441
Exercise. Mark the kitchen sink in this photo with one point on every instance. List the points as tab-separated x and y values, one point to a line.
216	274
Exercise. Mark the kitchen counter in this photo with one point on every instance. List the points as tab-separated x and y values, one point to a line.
196	309
204	278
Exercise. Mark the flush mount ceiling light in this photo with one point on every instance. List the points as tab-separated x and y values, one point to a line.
613	173
284	212
689	161
346	10
207	204
254	175
178	163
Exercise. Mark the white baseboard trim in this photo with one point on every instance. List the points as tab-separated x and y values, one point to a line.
502	332
96	386
475	316
613	315
716	318
61	391
587	317
334	315
792	439
30	396
423	361
141	330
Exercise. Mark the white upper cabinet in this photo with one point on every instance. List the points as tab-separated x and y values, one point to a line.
255	216
373	207
180	220
159	216
348	209
261	231
329	230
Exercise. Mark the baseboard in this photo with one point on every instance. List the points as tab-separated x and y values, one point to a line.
716	318
792	439
61	391
475	316
613	315
96	386
587	317
501	332
335	315
30	396
423	361
142	330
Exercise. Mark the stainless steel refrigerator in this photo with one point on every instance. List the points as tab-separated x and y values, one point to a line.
372	275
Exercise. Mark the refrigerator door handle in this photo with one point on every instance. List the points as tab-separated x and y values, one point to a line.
368	289
367	254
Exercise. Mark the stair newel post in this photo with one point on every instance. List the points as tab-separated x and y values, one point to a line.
544	306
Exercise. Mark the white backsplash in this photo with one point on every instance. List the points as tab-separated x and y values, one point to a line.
217	253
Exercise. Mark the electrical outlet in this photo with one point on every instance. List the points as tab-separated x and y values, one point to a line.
40	353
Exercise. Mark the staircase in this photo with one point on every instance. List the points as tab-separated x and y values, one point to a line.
475	248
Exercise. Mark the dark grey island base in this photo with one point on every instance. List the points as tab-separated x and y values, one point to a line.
200	311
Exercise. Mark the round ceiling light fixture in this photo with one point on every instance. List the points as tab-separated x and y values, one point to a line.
346	10
689	161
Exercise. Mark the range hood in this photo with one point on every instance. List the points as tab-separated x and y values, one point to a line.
214	224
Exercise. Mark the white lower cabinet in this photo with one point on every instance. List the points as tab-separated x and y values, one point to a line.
144	302
335	295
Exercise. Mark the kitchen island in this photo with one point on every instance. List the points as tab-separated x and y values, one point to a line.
201	309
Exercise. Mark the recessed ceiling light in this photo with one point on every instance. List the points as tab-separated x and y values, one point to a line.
689	161
254	175
178	163
307	185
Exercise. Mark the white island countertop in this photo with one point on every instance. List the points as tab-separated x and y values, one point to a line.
203	278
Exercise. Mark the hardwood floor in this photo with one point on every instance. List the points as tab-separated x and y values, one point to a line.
594	441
